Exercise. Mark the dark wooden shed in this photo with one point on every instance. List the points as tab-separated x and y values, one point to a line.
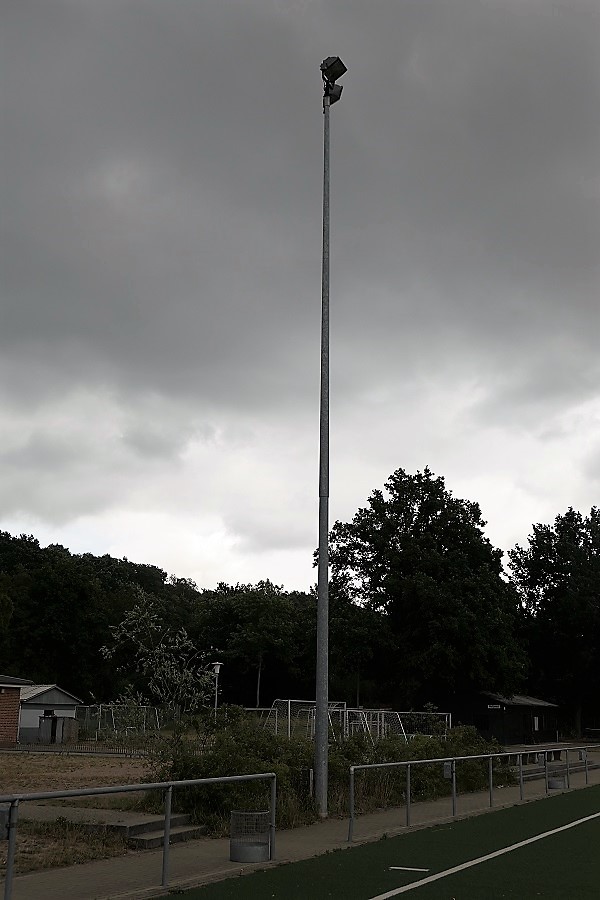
519	719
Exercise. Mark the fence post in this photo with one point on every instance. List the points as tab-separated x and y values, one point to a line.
546	770
491	779
273	817
13	815
167	838
408	795
568	770
453	788
585	758
521	785
289	711
351	807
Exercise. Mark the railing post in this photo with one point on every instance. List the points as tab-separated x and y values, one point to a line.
351	806
13	815
546	770
491	779
568	770
453	788
273	817
408	795
585	759
521	784
167	838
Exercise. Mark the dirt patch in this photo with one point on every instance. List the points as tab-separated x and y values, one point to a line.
28	772
42	845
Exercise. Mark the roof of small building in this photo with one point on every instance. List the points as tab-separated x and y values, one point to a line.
520	700
11	681
33	691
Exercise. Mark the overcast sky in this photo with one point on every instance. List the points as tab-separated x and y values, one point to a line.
161	263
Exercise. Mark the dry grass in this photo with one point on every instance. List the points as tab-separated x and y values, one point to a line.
43	845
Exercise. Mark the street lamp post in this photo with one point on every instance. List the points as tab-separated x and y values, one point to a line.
332	68
216	667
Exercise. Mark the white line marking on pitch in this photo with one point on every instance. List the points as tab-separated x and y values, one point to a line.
407	869
481	859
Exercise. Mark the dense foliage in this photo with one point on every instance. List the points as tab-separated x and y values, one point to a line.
240	744
418	556
558	579
420	610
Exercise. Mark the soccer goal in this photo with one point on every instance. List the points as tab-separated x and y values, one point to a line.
296	718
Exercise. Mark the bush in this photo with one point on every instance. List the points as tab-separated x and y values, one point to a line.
239	745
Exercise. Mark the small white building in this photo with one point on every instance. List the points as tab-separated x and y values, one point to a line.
43	709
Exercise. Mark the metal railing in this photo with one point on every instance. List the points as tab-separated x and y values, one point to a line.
167	786
450	763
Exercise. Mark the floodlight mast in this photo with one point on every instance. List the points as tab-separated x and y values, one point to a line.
332	68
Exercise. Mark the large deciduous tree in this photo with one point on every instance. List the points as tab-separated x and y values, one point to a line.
419	556
557	576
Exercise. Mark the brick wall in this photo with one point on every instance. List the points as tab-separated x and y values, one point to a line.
9	714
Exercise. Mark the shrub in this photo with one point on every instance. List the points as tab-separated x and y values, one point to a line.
239	745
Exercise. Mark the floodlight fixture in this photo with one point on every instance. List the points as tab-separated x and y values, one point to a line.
334	92
332	69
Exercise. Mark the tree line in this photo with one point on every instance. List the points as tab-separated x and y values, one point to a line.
421	608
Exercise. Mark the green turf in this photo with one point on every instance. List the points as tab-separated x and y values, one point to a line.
562	866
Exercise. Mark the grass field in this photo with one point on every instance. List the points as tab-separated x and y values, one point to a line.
560	866
42	846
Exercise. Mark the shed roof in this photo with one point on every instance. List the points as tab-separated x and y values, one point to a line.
520	700
33	691
11	681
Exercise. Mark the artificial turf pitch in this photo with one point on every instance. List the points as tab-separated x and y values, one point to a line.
563	866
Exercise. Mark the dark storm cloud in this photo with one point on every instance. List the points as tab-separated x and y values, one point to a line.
161	186
164	165
144	171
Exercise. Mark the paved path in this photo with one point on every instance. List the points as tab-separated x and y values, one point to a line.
138	874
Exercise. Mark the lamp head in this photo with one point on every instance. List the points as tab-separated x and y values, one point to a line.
332	69
334	92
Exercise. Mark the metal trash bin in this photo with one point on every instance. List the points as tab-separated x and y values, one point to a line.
250	839
557	783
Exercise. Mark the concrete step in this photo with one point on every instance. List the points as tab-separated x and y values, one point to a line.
152	839
145	826
125	823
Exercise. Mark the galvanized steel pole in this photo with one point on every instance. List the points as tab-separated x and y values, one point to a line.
351	810
322	670
13	815
273	809
167	836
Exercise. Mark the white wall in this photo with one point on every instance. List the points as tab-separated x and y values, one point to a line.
30	715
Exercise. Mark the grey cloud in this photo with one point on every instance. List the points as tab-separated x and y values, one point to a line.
168	217
162	182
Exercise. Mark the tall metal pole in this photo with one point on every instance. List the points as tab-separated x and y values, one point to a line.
322	670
